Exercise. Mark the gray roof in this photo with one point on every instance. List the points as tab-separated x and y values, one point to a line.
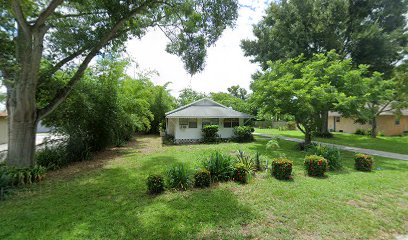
205	108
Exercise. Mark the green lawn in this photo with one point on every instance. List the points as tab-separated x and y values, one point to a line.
390	144
106	199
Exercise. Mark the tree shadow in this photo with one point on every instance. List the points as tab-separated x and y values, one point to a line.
113	204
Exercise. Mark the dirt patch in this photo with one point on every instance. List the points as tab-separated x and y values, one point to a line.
141	143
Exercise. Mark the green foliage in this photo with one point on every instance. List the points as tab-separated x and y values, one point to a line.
160	102
315	165
304	88
219	166
243	134
155	184
258	163
282	168
12	176
188	95
247	161
202	178
272	145
240	173
178	177
363	162
371	32
331	154
210	134
52	157
360	131
106	108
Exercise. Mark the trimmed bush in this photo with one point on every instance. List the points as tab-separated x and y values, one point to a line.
202	178
178	177
243	134
315	165
210	134
360	131
240	173
331	154
219	166
155	184
282	169
363	162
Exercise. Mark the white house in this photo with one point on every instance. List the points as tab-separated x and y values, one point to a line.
185	123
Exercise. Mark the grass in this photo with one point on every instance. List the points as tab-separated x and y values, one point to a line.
395	144
108	200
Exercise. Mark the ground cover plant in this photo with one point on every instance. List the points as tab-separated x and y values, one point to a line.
106	198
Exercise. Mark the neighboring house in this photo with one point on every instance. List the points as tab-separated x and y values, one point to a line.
185	123
387	123
3	128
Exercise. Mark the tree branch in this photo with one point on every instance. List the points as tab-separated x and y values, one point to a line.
20	17
300	128
61	63
47	12
63	93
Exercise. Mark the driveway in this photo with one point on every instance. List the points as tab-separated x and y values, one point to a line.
402	157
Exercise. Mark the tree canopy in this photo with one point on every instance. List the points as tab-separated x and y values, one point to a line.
371	32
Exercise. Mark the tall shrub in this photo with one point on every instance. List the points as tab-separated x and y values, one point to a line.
243	134
210	134
219	166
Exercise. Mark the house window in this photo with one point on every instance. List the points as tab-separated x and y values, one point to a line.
231	122
183	122
337	119
210	121
397	121
192	123
188	123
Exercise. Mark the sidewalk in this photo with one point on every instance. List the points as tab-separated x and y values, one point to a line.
397	156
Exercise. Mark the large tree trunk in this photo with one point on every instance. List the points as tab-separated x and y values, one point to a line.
21	102
374	127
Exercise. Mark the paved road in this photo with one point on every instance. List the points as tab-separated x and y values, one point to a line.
398	156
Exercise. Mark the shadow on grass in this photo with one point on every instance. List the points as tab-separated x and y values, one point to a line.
113	204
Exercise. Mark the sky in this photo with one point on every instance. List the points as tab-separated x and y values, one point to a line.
225	62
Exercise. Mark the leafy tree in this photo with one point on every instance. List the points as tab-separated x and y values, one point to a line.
371	32
160	103
232	101
304	88
69	34
373	96
188	95
238	92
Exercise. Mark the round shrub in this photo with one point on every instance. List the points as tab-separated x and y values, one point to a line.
331	154
282	169
240	173
202	178
363	162
272	145
243	134
155	184
315	165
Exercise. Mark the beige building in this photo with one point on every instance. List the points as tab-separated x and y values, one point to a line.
387	123
3	128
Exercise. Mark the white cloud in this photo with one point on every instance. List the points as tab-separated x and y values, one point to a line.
225	63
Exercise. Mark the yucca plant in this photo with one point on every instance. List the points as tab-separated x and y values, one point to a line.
246	161
178	177
219	166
